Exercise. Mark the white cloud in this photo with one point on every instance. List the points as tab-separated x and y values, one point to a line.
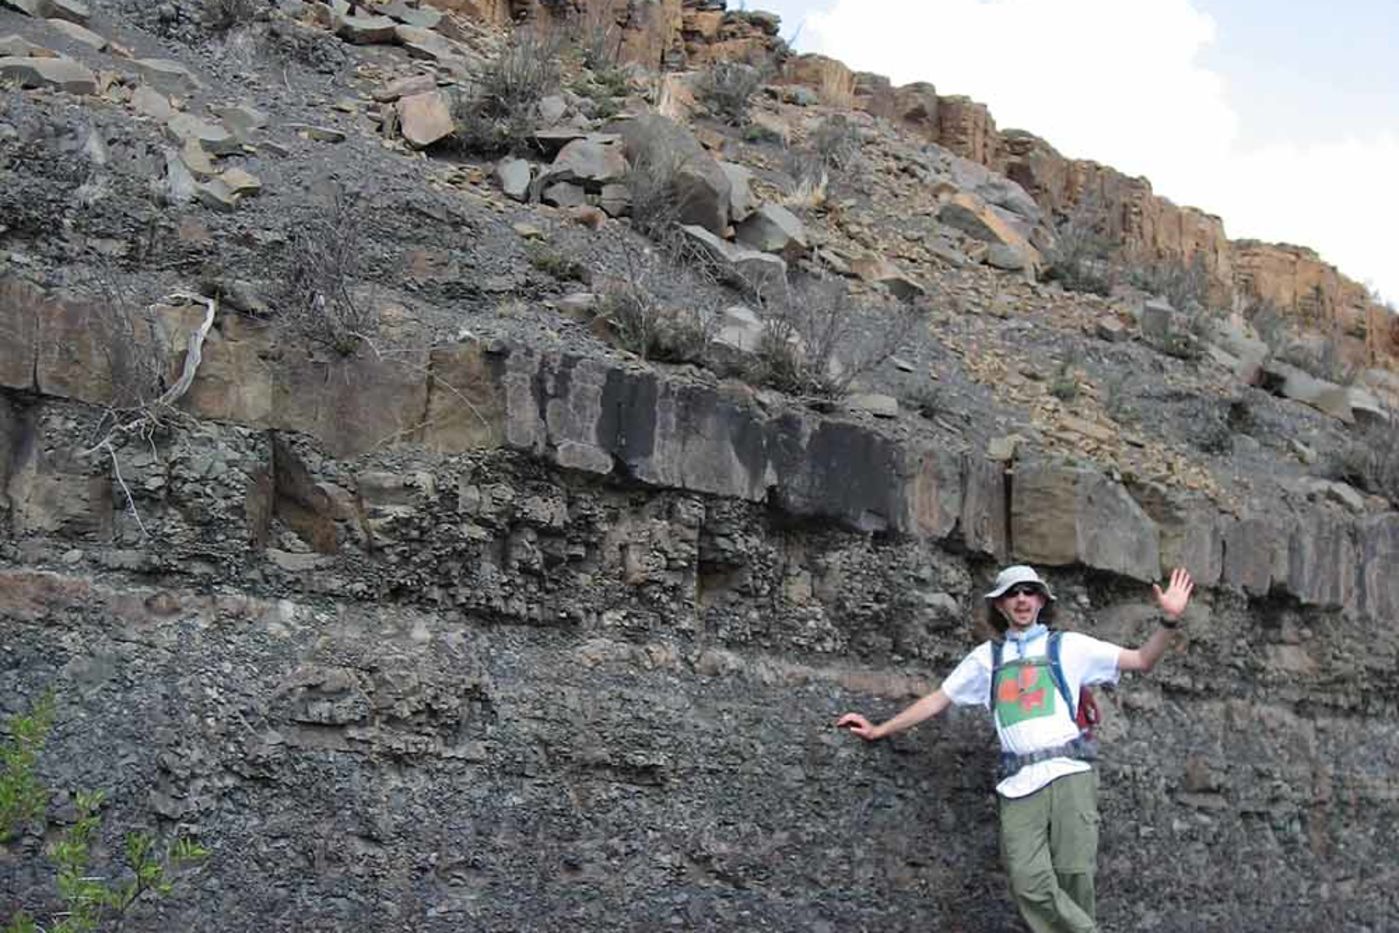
1121	82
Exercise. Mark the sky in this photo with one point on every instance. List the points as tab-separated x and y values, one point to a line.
1282	118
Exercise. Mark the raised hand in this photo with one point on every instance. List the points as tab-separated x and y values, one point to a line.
1174	598
857	724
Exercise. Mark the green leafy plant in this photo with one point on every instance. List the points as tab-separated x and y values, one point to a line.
22	797
90	901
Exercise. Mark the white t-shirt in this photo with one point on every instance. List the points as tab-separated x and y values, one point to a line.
1035	715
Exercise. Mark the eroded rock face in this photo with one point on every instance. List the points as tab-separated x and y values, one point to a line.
520	562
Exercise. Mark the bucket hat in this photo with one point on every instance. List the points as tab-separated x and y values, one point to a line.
1018	573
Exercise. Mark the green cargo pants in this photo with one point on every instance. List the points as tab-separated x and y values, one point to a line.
1049	843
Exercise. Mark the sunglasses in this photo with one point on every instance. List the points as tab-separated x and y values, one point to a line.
1023	589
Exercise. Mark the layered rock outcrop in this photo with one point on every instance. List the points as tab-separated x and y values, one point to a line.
613	421
530	622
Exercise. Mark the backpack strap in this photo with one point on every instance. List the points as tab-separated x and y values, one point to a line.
997	646
1056	670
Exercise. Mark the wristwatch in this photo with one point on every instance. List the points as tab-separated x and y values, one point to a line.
1167	622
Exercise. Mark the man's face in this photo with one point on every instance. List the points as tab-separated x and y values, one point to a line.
1021	605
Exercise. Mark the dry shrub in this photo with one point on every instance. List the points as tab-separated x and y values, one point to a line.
816	341
1185	285
642	323
316	301
728	88
1080	258
497	113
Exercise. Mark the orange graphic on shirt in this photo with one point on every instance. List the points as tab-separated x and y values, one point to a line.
1023	692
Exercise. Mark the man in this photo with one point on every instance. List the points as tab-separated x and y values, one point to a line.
1048	789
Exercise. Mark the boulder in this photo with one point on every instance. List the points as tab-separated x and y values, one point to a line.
1290	382
1063	515
740	330
366	30
74	11
217	195
149	102
1157	320
166	76
665	150
187	129
79	34
241	182
741	200
564	194
762	272
61	73
403	87
423	17
426	44
879	271
774	229
514	177
874	403
241	119
615	199
973	216
425	118
552	109
590	162
13	46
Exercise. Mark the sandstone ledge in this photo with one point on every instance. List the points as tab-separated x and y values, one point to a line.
638	424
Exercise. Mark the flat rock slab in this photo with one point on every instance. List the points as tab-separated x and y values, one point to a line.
564	194
425	118
149	102
212	138
321	134
241	182
71	10
166	76
426	44
773	229
405	87
366	30
422	17
589	162
61	73
79	33
17	47
241	119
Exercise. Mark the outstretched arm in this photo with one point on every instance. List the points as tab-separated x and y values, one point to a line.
926	708
1172	602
